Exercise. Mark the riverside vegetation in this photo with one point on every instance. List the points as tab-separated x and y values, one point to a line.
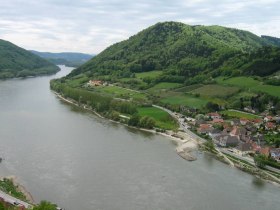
181	67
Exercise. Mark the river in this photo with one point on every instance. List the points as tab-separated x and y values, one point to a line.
81	162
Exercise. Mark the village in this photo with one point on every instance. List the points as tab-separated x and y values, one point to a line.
239	137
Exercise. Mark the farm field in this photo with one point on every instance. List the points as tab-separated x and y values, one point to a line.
187	100
162	118
215	90
237	114
151	74
251	85
120	92
164	86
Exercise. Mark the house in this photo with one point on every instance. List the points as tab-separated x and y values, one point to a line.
217	121
228	141
245	148
235	122
204	128
275	154
265	151
268	119
237	131
95	83
214	115
243	121
257	122
270	126
214	133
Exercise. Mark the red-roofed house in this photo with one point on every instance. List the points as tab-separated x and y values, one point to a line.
265	151
95	83
217	121
214	115
204	128
270	126
268	118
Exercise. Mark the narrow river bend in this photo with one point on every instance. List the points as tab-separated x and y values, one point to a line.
81	162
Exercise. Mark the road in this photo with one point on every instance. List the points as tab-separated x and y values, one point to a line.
182	124
10	199
247	159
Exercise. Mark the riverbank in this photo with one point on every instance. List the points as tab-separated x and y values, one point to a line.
186	145
11	186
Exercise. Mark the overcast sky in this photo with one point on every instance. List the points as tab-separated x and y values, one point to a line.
92	25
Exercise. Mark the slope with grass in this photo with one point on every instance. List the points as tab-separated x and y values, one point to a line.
181	52
250	84
162	119
17	62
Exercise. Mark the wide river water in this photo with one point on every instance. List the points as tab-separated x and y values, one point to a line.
81	162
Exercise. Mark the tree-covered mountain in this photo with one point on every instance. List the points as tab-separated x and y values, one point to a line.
273	40
185	53
18	62
65	58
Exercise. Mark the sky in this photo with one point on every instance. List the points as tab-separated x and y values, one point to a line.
90	26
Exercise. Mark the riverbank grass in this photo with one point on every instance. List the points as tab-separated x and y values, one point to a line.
162	119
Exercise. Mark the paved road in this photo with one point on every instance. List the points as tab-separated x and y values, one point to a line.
247	159
182	124
9	199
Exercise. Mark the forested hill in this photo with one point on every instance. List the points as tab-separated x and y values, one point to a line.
72	59
273	40
185	54
18	62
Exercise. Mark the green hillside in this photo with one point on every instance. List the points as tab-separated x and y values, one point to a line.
179	67
181	52
17	62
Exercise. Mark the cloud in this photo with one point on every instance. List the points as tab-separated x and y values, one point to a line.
92	25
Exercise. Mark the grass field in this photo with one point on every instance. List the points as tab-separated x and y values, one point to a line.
187	100
215	90
121	92
246	82
251	85
162	118
164	86
237	114
151	74
188	88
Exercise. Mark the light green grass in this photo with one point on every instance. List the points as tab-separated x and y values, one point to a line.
187	100
251	85
233	113
188	88
215	90
162	118
246	82
122	92
164	86
150	74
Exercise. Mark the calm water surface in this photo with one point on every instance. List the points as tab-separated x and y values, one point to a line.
82	162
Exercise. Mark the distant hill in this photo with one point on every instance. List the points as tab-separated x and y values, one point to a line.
65	58
185	53
273	40
18	62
